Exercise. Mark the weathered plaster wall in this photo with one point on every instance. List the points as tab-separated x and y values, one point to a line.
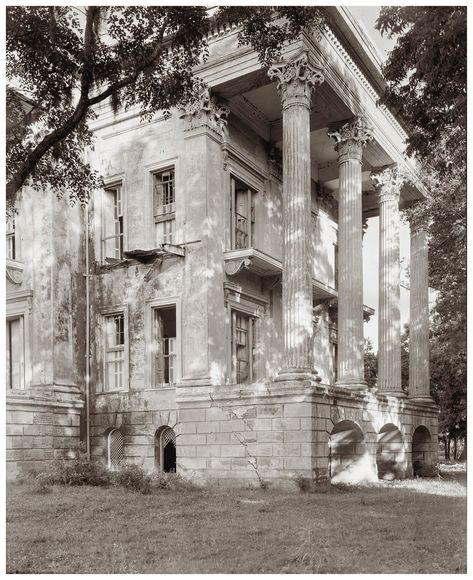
43	418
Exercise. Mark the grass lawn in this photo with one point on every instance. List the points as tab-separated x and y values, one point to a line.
415	526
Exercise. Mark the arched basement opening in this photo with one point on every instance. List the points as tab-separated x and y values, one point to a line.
165	450
348	461
421	452
390	456
114	449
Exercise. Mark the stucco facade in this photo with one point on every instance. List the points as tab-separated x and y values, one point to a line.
223	303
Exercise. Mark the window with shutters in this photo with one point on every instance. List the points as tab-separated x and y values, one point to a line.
115	449
15	353
242	215
164	202
243	347
164	346
112	222
115	340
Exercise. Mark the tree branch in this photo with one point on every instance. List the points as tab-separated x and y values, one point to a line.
85	102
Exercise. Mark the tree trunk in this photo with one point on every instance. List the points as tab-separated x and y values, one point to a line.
447	448
455	447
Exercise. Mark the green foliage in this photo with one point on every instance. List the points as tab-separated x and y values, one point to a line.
134	478
66	60
371	364
77	471
426	72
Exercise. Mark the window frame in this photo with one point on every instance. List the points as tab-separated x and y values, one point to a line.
165	218
150	366
19	305
109	184
252	342
105	313
152	169
11	234
252	177
245	302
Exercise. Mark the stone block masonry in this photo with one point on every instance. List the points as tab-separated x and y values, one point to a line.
38	431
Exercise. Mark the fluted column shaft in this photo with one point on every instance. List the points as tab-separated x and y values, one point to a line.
388	182
296	81
419	378
350	139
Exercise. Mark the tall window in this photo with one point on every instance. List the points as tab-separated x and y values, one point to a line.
114	352
243	215
11	240
15	347
112	223
243	346
164	346
164	195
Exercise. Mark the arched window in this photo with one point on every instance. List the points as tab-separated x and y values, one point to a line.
165	450
115	449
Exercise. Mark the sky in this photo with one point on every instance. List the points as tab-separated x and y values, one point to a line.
366	16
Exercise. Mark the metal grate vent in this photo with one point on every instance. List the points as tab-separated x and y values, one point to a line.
115	449
167	436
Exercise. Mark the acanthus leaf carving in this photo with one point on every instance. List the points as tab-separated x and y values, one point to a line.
351	137
388	181
207	111
296	80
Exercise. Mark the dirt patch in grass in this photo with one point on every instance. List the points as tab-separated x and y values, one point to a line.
385	528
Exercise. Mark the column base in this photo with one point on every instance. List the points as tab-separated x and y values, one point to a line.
353	384
392	393
295	374
422	399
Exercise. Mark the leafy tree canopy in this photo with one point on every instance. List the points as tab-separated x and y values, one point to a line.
62	61
426	72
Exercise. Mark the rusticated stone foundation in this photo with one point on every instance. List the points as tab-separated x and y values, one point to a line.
40	427
276	431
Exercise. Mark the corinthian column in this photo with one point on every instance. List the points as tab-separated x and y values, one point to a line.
295	82
350	140
419	379
388	182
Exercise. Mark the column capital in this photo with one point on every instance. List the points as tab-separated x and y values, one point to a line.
296	80
388	181
206	111
350	138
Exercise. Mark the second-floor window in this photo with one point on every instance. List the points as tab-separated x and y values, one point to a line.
164	346
242	215
114	361
112	223
164	201
12	253
243	347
